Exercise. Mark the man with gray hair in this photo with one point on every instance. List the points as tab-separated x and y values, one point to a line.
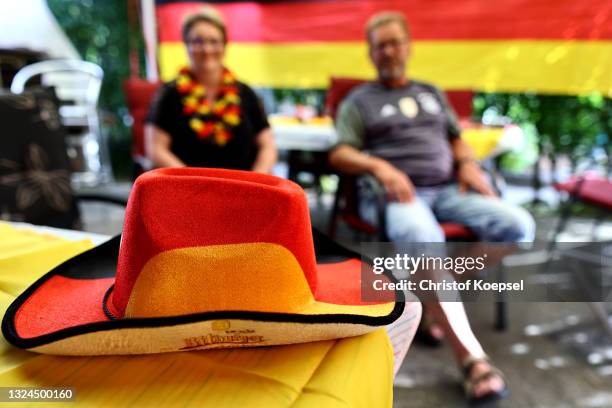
404	133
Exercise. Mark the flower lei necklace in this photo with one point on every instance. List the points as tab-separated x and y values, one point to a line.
210	120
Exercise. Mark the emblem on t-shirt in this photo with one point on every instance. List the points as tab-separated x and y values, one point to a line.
430	103
409	107
388	110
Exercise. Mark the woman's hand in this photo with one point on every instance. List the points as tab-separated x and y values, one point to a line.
157	148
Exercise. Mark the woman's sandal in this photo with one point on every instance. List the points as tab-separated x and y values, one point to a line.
424	332
470	382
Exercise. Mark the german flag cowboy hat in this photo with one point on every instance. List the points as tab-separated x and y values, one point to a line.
208	258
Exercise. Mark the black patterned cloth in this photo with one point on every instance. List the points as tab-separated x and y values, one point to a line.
34	165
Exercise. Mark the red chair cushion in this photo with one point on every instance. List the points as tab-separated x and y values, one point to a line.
453	231
339	88
595	190
462	102
139	94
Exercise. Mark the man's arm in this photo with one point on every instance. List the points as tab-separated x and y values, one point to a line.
157	148
266	152
348	158
469	173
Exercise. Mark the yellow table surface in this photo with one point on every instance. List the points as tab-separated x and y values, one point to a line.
353	372
290	120
482	140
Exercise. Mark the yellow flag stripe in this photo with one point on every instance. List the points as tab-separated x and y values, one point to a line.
555	67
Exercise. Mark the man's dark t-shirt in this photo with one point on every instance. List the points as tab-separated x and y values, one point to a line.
166	113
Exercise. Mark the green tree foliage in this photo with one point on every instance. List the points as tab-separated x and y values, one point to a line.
567	125
100	32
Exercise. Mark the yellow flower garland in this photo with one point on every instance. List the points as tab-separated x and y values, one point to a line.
206	120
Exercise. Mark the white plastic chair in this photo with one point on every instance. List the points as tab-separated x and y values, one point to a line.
77	85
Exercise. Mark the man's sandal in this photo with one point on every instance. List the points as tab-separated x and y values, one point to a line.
470	382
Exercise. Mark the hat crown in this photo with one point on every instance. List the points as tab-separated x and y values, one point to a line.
198	240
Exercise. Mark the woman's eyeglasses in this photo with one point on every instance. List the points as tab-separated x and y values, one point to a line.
201	42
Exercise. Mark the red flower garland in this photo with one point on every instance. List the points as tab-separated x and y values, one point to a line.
206	120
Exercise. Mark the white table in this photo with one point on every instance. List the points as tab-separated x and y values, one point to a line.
314	138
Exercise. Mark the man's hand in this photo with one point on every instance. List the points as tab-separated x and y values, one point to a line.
352	161
470	176
396	183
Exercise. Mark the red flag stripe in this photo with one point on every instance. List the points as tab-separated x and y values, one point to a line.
337	21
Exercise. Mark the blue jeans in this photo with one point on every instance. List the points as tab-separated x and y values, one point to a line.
491	220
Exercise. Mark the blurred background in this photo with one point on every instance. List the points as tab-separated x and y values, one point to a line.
566	116
530	80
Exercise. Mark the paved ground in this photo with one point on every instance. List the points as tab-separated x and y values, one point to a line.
570	369
542	371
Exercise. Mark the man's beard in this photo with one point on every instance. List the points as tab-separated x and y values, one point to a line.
392	72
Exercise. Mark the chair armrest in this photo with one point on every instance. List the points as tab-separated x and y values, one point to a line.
372	184
490	168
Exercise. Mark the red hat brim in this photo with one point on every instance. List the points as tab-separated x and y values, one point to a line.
64	311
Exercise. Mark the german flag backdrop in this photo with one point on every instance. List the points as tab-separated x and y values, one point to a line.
545	46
